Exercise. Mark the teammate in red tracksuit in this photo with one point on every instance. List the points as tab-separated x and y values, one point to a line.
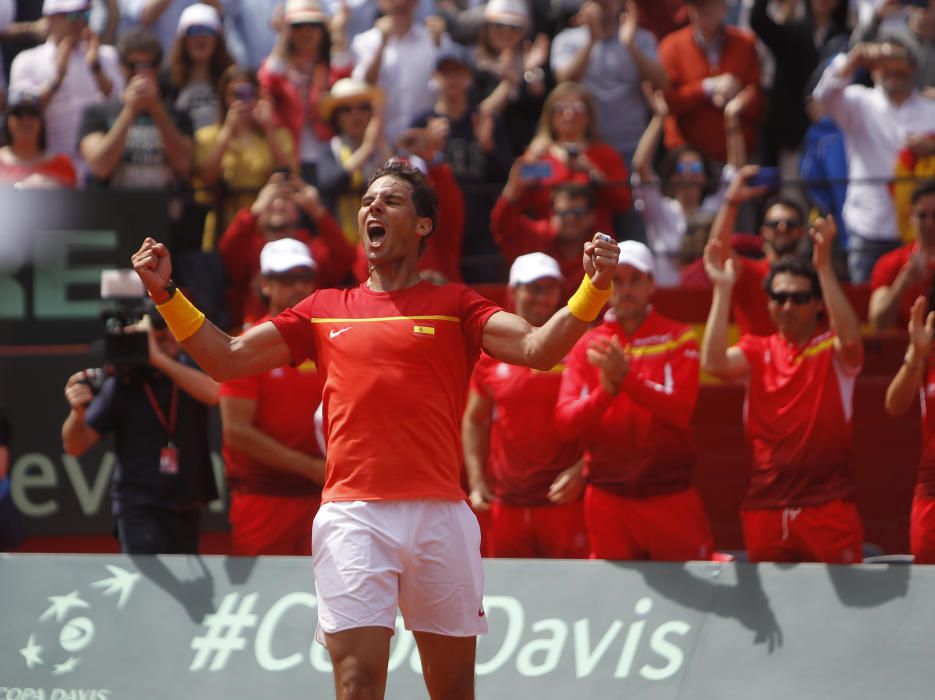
800	390
518	467
628	392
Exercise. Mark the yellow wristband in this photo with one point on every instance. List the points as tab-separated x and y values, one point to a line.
182	318
587	302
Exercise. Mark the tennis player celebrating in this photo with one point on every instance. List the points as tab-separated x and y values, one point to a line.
395	354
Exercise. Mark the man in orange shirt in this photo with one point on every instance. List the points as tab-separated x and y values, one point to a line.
709	64
396	355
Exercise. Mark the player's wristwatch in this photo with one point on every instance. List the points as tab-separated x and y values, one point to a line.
165	295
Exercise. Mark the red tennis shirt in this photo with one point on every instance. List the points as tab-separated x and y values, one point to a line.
396	367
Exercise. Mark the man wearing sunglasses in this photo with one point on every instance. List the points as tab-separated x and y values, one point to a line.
69	72
782	231
800	391
905	274
273	465
560	236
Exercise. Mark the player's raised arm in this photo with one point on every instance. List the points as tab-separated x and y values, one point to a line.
221	356
512	339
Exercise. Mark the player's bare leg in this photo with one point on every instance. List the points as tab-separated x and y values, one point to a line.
447	665
360	657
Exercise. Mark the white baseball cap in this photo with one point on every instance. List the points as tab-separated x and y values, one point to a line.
283	255
512	12
304	11
199	15
534	266
636	254
60	7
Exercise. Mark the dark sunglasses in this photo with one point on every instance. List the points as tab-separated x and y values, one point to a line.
363	108
21	112
298	277
693	168
776	223
797	298
576	212
924	215
78	16
502	25
200	30
296	25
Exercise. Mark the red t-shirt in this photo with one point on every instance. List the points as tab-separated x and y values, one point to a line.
926	480
637	443
526	454
749	302
57	167
396	367
887	269
286	401
798	418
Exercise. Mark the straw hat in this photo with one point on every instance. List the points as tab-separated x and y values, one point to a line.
344	92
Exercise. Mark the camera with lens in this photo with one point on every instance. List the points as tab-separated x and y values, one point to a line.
126	304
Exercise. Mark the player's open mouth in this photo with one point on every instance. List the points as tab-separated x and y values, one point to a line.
375	233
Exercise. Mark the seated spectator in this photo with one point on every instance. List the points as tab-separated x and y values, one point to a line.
137	141
567	149
561	236
628	393
903	275
475	146
276	214
798	411
512	76
782	231
354	111
297	74
24	161
708	64
197	60
272	464
398	54
877	123
235	156
518	468
799	45
611	56
69	72
686	191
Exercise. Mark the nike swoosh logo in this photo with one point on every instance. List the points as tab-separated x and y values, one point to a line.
335	333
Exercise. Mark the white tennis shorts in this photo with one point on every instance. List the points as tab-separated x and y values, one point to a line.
423	557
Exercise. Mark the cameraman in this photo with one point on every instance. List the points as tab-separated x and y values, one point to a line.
159	416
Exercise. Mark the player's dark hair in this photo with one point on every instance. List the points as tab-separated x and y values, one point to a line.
575	190
923	189
424	196
798	267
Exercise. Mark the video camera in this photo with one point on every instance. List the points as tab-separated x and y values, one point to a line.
126	304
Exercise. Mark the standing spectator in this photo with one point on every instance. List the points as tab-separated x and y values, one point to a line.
138	141
197	60
475	145
569	150
823	168
662	17
877	123
799	45
398	54
628	392
709	63
782	230
159	17
354	111
70	72
297	74
800	392
25	161
512	76
905	274
920	21
686	189
276	214
272	463
611	56
535	481
915	381
159	418
235	155
561	236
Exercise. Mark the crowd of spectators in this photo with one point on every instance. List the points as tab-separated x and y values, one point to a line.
669	122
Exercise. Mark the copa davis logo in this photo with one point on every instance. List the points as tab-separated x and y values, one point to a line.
63	633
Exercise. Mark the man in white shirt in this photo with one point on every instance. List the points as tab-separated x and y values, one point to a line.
877	123
69	72
399	55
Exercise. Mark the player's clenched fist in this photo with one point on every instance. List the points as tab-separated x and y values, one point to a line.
153	264
600	260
